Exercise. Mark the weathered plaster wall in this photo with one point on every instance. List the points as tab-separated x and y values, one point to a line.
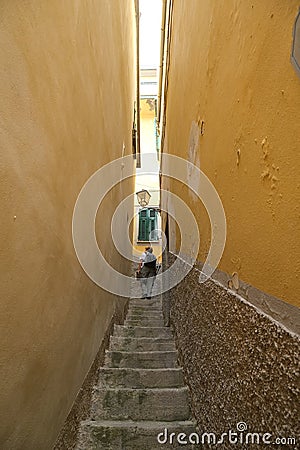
67	90
239	364
230	71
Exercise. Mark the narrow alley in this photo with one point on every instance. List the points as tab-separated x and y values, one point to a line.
150	232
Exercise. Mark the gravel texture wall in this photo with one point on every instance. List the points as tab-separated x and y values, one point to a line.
240	365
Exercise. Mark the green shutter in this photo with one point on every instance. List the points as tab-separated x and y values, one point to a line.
147	223
143	228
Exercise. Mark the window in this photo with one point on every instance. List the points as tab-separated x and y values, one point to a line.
148	225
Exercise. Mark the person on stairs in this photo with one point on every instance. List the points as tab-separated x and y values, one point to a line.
147	270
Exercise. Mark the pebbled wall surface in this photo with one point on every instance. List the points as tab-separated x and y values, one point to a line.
239	364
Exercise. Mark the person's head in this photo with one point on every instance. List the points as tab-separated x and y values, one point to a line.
147	249
150	250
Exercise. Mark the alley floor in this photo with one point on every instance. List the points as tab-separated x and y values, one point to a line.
140	393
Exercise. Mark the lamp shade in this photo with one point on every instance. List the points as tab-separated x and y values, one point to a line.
143	197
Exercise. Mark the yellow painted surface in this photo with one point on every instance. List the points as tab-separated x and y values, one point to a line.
230	68
67	90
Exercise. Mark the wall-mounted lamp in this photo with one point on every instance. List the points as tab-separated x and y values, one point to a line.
143	197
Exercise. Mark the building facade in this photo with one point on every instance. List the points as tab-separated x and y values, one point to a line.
232	109
147	222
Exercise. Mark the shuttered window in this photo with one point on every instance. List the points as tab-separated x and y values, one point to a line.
148	225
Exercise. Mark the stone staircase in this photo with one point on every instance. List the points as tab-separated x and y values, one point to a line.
141	391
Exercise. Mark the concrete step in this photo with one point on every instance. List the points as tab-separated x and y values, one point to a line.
146	308
140	378
134	315
144	312
144	302
157	332
166	404
140	394
129	435
144	317
144	322
145	360
141	344
150	308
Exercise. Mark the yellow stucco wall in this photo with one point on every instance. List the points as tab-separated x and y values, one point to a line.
67	90
230	67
